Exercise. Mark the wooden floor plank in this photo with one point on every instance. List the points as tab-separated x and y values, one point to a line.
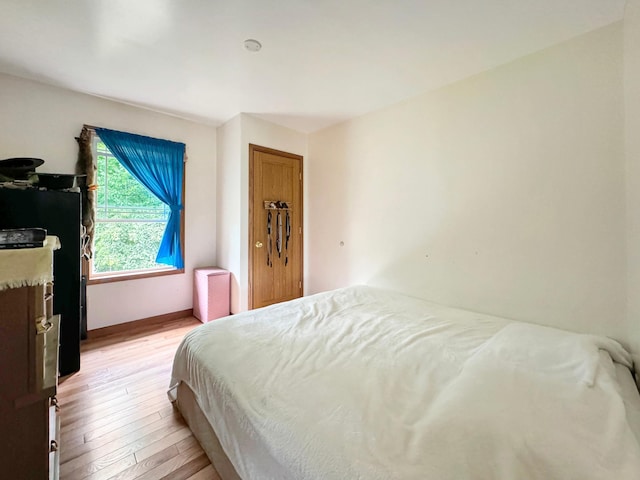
86	424
188	469
100	470
148	464
117	422
129	422
163	443
118	444
207	473
172	465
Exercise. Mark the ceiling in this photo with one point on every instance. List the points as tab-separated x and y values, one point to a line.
322	61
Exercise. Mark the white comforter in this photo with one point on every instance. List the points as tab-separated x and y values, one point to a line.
366	384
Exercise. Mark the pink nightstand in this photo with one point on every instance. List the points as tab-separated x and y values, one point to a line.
210	293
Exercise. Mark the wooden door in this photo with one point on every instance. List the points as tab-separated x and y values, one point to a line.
275	202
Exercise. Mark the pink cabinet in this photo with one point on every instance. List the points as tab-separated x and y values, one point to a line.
210	293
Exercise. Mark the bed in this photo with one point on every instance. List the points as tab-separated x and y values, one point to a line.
362	383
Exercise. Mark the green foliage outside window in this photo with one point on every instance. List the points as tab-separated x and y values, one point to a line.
130	220
126	246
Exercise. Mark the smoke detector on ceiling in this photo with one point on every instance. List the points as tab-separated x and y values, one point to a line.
252	45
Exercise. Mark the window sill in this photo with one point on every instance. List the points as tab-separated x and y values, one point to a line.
121	277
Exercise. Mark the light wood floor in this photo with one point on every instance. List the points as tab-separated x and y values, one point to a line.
117	422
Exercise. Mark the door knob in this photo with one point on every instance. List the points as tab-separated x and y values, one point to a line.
258	244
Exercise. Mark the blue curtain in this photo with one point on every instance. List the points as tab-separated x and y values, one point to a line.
159	166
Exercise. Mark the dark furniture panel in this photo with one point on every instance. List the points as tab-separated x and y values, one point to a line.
60	213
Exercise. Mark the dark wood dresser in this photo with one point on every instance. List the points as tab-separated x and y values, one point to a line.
29	340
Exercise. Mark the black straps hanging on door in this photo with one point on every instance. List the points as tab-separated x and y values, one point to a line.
279	234
269	263
282	232
287	230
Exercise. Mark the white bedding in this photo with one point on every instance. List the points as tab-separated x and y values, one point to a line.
361	383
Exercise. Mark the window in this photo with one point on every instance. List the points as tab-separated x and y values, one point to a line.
130	220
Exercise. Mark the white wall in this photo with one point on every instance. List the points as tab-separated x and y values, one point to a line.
632	150
229	212
41	121
503	193
234	171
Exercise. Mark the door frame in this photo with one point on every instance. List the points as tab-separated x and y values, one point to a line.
257	148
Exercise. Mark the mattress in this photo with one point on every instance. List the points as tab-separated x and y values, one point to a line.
364	383
630	396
